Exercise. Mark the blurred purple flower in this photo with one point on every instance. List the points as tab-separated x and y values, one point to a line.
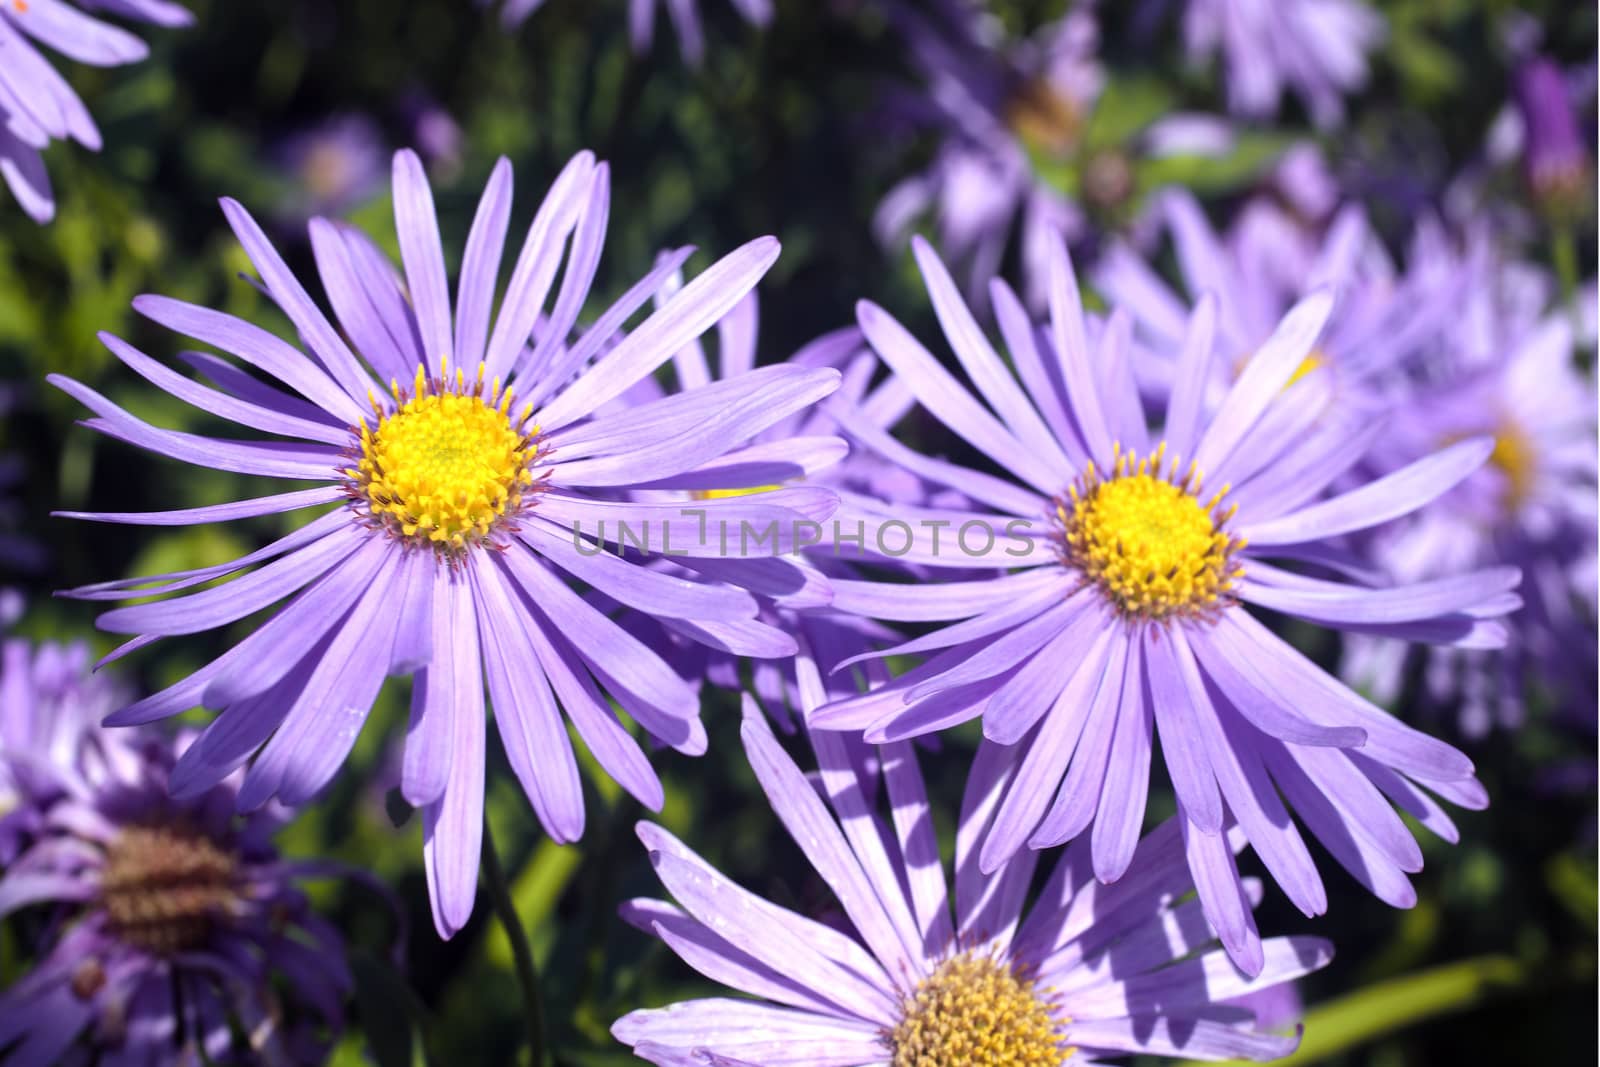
332	166
175	931
987	102
433	130
1000	108
465	494
1315	48
1089	971
1124	617
1387	316
1509	375
37	105
49	703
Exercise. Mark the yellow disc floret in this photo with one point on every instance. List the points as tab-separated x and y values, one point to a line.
1145	539
977	1011
1514	458
448	463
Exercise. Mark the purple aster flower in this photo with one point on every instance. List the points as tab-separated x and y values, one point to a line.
1087	971
49	701
1133	554
998	105
464	493
1315	48
172	929
332	166
1509	376
1388	316
37	105
987	103
1555	158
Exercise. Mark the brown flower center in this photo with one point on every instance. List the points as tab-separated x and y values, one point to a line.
163	887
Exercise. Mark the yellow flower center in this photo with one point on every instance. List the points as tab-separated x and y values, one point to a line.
978	1012
163	887
1043	119
1147	541
1513	457
327	170
448	464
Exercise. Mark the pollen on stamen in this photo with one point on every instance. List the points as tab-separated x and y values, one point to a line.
1145	540
445	466
979	1011
164	886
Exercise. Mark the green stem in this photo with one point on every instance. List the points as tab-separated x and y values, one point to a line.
1564	249
521	952
1370	1013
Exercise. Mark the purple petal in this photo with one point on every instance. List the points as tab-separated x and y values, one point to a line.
480	266
525	713
1377	502
696	307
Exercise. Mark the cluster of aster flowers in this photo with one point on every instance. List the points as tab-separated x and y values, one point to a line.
572	516
165	929
1105	607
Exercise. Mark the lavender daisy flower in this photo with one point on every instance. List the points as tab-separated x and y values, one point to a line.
171	926
987	103
1005	112
1509	376
332	166
1388	316
1315	48
1134	554
49	700
37	105
464	493
1088	971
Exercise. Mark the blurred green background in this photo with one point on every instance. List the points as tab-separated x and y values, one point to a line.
775	134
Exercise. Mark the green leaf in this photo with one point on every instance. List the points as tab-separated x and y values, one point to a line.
1126	106
1214	175
1353	1020
1572	880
